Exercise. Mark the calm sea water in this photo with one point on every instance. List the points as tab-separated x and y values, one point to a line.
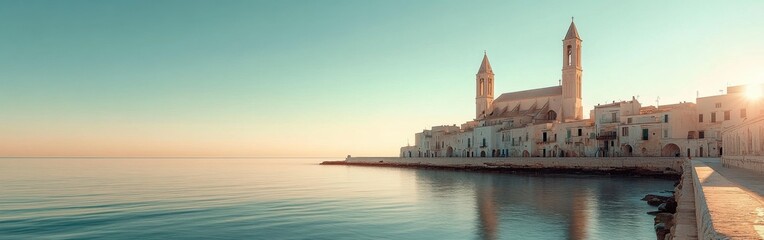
299	199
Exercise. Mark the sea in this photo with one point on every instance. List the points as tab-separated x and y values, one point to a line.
296	198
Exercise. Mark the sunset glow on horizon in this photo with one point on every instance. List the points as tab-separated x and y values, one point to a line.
332	78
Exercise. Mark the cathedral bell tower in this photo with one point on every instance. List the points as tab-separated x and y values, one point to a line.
571	75
483	88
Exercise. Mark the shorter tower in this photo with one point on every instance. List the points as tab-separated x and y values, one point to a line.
483	88
571	75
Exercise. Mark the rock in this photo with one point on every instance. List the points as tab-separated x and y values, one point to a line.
654	201
664	218
661	231
651	196
670	205
662	207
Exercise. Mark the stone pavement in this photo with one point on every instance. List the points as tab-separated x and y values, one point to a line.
733	196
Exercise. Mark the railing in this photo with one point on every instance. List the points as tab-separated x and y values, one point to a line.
607	136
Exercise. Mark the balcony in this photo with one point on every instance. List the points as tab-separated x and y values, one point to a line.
607	136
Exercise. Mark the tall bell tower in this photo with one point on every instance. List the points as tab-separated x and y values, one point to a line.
483	88
571	75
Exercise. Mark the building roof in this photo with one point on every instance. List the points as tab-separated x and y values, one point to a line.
485	66
529	94
572	31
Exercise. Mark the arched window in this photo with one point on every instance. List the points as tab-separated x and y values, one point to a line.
551	115
481	86
570	55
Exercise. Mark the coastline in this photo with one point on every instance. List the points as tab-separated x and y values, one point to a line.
628	166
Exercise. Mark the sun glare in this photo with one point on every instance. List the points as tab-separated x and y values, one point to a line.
753	91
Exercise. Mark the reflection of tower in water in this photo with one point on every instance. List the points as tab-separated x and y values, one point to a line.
488	218
578	216
571	203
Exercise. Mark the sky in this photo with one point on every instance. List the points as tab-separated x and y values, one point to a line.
332	78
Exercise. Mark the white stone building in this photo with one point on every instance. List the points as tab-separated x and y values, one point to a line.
548	122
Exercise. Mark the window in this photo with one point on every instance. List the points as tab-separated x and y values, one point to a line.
579	132
628	120
701	134
625	131
551	115
718	105
645	134
742	113
613	117
568	134
665	133
713	117
700	117
726	115
469	141
665	118
570	55
483	143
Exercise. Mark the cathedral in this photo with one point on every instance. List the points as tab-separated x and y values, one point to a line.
549	122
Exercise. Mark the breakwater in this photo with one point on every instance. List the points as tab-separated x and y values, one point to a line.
668	167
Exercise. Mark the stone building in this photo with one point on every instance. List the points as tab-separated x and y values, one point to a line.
548	122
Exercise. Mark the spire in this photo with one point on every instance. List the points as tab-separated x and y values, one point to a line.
572	31
485	66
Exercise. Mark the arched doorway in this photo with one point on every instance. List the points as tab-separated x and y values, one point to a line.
464	153
627	150
449	152
526	153
482	153
700	152
670	150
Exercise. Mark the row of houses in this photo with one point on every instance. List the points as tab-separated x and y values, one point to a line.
624	128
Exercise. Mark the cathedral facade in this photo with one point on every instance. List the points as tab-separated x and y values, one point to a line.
548	122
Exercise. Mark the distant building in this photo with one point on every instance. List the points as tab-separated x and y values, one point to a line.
548	122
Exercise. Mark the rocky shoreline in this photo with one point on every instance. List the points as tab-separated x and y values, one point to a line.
664	216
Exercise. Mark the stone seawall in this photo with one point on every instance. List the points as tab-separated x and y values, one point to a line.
755	163
724	208
627	165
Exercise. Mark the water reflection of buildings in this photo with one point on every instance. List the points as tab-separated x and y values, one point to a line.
507	204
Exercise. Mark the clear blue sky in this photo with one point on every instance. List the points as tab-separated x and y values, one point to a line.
330	78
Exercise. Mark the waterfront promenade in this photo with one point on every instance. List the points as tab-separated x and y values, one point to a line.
729	201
